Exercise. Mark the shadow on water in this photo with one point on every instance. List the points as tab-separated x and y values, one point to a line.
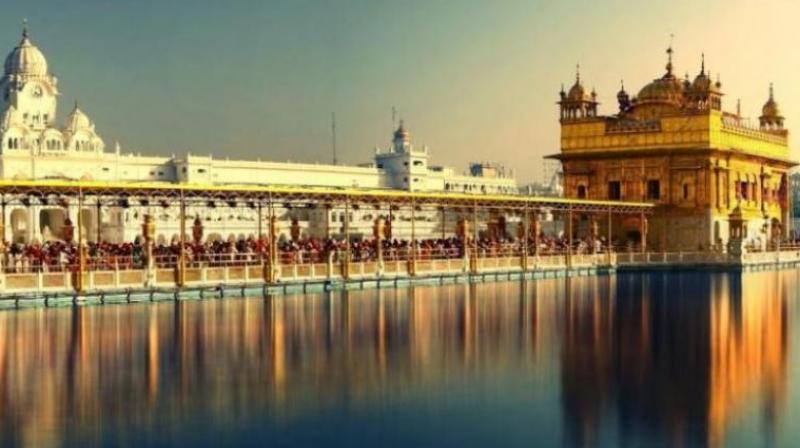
635	359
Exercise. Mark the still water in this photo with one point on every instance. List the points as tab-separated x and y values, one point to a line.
664	359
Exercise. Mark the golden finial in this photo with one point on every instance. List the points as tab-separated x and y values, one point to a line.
25	28
577	73
669	55
702	63
771	93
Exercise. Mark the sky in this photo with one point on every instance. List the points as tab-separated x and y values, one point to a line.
474	80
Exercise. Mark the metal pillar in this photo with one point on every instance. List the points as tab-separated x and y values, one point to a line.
569	237
412	252
181	278
149	233
99	221
377	231
78	285
271	272
346	229
525	250
473	261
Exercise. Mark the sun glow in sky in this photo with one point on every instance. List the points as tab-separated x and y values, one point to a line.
474	80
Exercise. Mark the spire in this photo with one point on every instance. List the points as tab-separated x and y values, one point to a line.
739	107
669	56
771	93
577	73
702	63
24	29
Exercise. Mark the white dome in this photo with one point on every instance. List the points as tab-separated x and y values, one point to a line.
26	59
77	120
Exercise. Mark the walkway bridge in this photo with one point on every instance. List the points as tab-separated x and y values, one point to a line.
477	253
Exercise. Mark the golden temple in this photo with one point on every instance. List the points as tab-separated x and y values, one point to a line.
673	145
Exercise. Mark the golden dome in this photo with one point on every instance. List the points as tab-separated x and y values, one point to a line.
668	89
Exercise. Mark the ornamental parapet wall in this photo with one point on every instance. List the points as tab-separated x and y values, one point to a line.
626	126
679	131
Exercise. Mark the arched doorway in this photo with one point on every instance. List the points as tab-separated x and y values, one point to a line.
89	224
51	224
19	226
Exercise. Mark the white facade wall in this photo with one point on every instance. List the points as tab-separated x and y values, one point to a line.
33	146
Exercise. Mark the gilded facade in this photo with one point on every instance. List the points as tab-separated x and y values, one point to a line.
673	145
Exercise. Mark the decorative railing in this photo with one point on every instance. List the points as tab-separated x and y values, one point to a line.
168	272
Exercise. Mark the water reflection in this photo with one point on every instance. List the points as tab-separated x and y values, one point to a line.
666	359
670	358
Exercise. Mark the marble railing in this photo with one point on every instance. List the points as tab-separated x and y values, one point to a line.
38	283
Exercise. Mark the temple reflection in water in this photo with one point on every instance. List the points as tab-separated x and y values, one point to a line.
661	357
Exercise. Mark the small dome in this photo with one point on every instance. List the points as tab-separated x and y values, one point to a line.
26	59
401	133
577	93
770	109
702	82
77	120
622	93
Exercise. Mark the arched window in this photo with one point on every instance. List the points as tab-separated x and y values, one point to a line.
581	191
685	191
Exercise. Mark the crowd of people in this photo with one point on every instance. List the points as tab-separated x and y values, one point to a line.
58	256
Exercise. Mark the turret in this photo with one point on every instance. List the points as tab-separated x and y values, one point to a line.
771	118
577	104
623	98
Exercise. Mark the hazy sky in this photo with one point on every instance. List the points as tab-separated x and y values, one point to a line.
474	79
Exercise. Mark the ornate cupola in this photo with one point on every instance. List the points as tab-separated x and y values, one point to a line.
577	104
702	93
771	119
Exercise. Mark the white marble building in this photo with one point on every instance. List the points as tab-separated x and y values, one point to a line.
34	146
